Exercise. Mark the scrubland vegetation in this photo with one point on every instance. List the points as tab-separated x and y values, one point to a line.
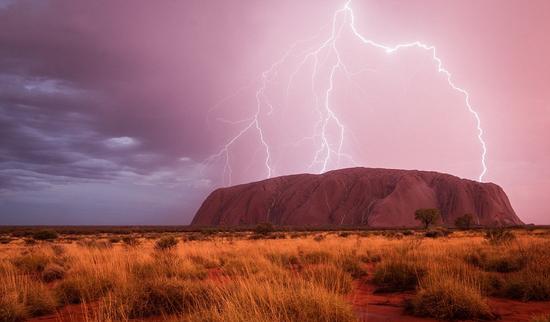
270	276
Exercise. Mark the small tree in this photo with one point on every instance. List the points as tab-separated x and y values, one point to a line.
465	222
427	216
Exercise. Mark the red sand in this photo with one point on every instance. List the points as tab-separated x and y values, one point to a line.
379	307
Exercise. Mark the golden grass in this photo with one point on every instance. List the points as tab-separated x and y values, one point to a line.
304	278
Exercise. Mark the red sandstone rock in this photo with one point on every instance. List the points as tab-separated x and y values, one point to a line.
356	196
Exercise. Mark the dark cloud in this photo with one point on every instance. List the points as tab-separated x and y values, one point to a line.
78	83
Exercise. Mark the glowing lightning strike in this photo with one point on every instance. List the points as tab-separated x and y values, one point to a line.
440	69
325	151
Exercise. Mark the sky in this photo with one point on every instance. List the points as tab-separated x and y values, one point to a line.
131	112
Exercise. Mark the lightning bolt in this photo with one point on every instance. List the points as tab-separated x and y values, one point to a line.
327	151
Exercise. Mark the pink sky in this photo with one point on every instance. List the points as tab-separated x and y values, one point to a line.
113	104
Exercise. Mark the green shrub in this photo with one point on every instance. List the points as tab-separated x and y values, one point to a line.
394	275
319	238
83	287
130	241
161	296
264	228
52	272
498	236
297	235
497	261
527	288
352	264
114	240
436	233
166	243
21	233
46	234
450	300
31	263
11	308
40	300
209	231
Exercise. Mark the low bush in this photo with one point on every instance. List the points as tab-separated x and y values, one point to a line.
83	287
52	272
11	308
32	263
130	241
351	264
277	236
319	238
195	237
22	297
527	287
166	243
436	233
397	275
39	300
114	240
264	228
22	233
161	296
46	234
297	235
499	236
329	277
450	300
392	235
497	261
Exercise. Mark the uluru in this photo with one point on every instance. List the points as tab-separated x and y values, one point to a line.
356	196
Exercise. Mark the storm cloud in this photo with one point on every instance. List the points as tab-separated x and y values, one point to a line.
105	106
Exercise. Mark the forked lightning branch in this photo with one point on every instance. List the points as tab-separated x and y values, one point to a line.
328	152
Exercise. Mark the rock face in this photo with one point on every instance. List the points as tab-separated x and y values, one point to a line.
356	196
